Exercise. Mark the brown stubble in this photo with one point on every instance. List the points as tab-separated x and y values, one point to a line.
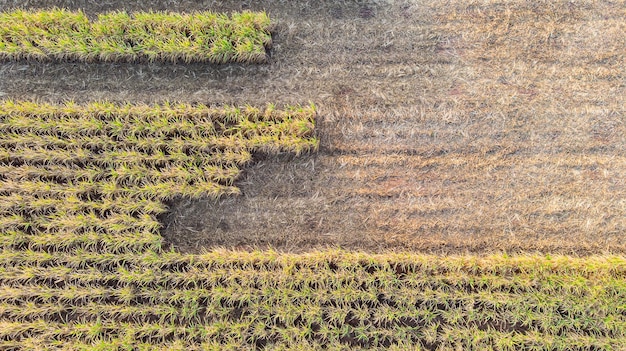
445	126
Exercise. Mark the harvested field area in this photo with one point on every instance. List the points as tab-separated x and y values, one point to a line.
456	126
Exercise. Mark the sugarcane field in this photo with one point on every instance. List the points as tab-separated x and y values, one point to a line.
313	175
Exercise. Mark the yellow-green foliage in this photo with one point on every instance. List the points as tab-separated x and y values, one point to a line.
119	36
98	175
335	300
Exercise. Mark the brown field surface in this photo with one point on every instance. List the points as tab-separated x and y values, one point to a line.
444	126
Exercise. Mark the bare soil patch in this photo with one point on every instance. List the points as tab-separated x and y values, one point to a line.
444	126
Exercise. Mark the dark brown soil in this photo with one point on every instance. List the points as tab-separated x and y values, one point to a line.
445	126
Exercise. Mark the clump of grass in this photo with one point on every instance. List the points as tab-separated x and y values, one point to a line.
119	36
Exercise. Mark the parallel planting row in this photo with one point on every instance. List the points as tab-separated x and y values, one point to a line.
119	36
96	176
81	300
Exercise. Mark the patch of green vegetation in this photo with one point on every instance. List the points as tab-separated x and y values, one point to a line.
227	300
119	36
96	176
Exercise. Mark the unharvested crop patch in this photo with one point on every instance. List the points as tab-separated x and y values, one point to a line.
97	175
119	36
225	300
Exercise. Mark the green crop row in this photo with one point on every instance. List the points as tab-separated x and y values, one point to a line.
324	300
119	36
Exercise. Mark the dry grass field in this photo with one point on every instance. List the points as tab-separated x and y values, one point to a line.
444	126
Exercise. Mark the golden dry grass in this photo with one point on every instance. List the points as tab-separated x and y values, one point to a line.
444	125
